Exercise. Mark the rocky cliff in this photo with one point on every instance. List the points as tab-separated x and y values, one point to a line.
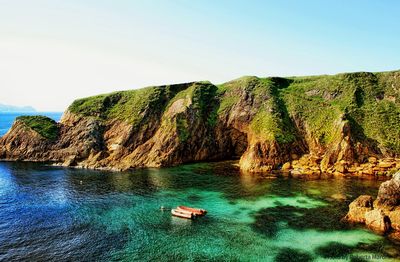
346	123
382	214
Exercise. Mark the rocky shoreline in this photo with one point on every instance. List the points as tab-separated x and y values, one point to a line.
381	215
309	166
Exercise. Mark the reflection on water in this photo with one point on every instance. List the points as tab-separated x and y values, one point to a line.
52	213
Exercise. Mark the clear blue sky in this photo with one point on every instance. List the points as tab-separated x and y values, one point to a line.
54	51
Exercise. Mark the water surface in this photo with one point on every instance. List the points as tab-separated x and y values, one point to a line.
54	214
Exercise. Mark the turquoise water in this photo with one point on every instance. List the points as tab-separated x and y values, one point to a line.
6	119
54	214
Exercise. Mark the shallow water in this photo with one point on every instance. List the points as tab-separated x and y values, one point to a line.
53	214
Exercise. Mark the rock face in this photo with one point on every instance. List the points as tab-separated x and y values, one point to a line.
358	208
389	192
377	220
381	215
304	126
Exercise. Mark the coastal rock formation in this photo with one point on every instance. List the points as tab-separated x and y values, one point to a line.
302	126
358	208
377	221
381	215
389	192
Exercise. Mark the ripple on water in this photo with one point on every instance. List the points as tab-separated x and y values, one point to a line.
69	214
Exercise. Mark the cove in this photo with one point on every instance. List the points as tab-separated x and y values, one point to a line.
53	213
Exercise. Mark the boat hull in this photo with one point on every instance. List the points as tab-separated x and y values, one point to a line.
182	214
196	211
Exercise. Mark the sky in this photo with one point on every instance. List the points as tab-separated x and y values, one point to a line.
53	52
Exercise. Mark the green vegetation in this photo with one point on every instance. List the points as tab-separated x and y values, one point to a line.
182	128
131	106
304	99
368	102
201	98
271	121
229	92
43	125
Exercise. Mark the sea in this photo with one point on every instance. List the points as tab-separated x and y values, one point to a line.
50	213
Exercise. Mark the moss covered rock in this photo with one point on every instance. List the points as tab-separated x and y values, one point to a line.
43	125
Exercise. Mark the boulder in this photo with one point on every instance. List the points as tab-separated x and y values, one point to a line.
69	161
378	221
358	208
385	164
286	166
341	168
389	192
372	160
394	217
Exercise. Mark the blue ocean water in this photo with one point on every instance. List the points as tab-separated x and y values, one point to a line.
59	214
7	119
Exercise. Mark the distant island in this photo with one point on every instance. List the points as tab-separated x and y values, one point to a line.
10	108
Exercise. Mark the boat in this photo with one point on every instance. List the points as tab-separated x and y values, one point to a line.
196	211
182	213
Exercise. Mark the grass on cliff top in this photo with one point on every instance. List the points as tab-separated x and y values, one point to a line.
43	125
271	121
201	98
130	106
229	92
368	100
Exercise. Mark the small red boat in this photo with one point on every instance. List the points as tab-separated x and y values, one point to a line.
196	211
182	213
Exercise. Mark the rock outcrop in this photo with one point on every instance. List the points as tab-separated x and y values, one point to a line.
301	126
381	215
389	192
358	208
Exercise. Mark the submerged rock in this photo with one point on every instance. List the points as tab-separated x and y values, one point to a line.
338	197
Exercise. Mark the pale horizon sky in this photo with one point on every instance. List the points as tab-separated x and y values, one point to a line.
54	51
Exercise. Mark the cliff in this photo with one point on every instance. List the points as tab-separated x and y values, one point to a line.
345	123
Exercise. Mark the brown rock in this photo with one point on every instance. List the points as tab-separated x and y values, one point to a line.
372	160
71	160
394	218
296	173
352	169
389	192
368	171
385	165
339	197
286	166
358	208
377	220
304	160
341	168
